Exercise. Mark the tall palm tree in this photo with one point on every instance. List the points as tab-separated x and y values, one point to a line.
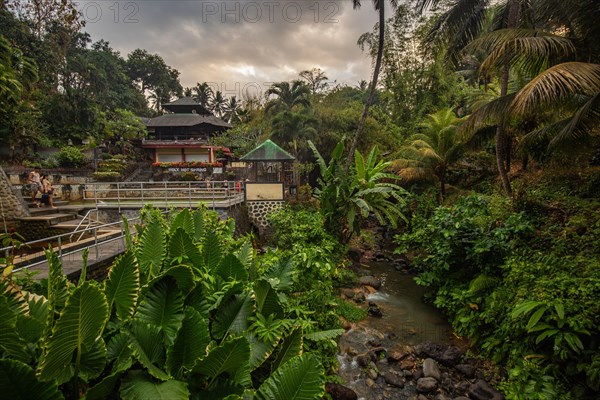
379	6
287	96
203	94
232	110
288	126
523	39
429	153
218	104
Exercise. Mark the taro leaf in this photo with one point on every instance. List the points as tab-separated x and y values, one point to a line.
162	307
233	315
190	344
231	357
152	248
18	382
301	378
123	285
80	323
148	347
290	348
139	386
230	267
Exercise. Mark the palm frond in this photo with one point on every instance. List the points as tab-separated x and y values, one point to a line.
557	84
486	115
528	49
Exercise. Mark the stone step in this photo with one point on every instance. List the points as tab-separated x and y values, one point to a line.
56	203
50	219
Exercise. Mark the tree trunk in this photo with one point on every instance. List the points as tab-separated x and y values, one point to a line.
501	140
442	188
372	90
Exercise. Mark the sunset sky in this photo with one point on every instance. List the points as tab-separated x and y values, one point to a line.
239	44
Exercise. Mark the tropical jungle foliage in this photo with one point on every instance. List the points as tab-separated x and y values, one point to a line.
186	312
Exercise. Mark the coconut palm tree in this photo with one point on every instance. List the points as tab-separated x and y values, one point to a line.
232	110
379	6
429	153
526	37
287	96
203	94
289	126
218	104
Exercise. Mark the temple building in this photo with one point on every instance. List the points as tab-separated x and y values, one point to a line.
181	136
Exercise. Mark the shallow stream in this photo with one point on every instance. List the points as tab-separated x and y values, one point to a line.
406	320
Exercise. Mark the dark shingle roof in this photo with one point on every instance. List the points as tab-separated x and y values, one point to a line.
186	120
268	151
185	105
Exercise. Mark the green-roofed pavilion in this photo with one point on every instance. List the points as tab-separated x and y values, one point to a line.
270	163
268	151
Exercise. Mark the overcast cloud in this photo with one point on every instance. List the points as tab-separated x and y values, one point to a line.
237	43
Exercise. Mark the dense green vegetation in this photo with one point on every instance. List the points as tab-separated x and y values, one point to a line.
187	311
487	117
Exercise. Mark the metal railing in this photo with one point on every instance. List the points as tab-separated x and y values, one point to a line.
100	237
87	217
216	194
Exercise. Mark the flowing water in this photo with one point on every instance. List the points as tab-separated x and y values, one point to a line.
406	320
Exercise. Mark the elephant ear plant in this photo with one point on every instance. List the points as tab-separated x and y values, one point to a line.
181	315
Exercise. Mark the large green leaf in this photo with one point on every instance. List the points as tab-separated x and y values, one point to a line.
301	378
198	217
281	275
79	325
152	248
221	389
230	267
183	220
324	335
267	301
148	347
163	307
181	246
246	254
231	357
233	315
211	250
10	341
18	382
93	360
290	348
198	300
119	352
123	285
259	350
190	344
184	276
105	388
139	386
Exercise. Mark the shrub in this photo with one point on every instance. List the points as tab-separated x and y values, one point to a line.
107	176
70	157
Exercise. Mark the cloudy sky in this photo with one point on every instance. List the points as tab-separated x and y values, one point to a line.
239	44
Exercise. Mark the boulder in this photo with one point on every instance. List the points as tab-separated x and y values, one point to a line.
370	281
394	379
481	390
340	392
374	310
466	369
372	373
431	369
426	385
354	254
348	293
451	356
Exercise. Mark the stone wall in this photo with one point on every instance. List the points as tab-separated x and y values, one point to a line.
11	206
258	212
